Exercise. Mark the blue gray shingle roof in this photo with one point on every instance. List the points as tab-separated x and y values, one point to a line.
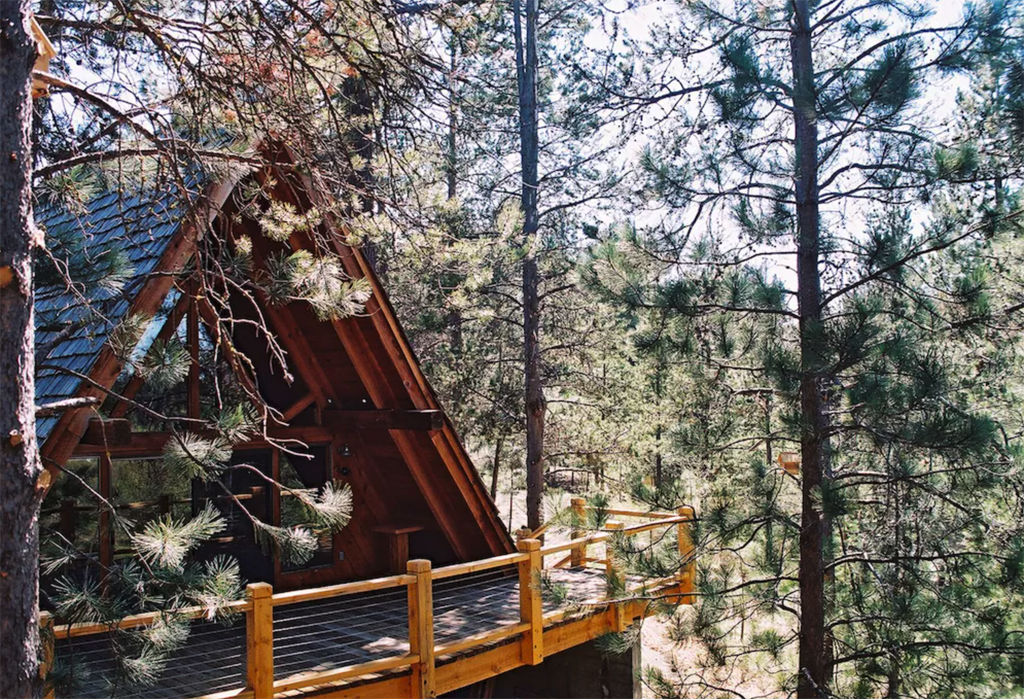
135	228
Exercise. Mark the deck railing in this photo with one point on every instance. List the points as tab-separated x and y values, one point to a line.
258	606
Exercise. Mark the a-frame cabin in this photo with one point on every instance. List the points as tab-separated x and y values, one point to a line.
356	396
440	601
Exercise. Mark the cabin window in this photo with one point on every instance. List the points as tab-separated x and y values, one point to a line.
69	516
144	490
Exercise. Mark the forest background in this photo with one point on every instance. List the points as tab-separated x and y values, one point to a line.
642	250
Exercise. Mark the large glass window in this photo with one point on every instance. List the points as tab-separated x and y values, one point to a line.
70	514
143	490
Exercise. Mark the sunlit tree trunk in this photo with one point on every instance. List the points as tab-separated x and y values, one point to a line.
19	457
526	73
814	666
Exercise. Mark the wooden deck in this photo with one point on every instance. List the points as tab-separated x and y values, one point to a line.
468	622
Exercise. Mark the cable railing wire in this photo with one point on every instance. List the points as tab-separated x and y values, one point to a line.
328	633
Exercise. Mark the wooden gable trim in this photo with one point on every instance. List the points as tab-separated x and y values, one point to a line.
68	431
372	376
293	340
418	388
135	383
400	351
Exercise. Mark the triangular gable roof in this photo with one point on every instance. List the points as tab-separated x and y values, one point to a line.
73	323
157	236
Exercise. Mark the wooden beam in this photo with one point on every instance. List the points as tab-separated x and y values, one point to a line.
297	407
373	378
112	432
153	443
290	336
192	335
67	433
413	420
399	350
579	521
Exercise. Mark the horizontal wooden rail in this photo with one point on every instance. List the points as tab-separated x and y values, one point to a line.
638	528
351	588
594	538
636	513
136	620
260	681
598	537
508	559
313	679
481	639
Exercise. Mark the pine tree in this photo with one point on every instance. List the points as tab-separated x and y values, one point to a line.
20	467
184	95
797	243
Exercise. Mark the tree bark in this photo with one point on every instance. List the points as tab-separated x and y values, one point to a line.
454	316
19	454
453	112
659	476
526	75
496	466
814	671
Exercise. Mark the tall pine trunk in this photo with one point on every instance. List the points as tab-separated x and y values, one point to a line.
497	467
526	75
454	316
814	664
19	456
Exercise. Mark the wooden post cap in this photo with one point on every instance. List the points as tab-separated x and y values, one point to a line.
685	511
418	565
258	590
528	544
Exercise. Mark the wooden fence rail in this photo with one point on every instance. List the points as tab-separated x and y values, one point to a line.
261	683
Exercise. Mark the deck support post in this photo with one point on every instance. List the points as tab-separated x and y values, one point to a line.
46	641
530	610
259	641
421	628
578	554
687	560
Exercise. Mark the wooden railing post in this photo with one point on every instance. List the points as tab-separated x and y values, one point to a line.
579	514
46	652
421	627
611	525
530	610
259	640
688	563
615	578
